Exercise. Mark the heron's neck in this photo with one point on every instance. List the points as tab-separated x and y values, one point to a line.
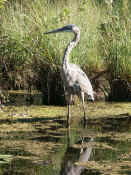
69	48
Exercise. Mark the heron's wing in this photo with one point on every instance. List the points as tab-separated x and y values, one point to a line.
79	79
78	69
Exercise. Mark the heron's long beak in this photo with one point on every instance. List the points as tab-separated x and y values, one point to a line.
63	29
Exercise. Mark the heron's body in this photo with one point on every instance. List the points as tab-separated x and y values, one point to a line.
77	83
75	80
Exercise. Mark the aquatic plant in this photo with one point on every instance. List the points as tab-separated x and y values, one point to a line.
29	60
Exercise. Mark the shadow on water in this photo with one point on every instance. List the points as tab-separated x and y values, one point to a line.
102	147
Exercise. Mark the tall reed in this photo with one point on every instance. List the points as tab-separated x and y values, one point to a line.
29	58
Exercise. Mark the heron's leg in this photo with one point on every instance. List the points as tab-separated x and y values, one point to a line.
83	104
69	114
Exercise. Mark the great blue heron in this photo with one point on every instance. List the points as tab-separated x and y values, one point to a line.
75	80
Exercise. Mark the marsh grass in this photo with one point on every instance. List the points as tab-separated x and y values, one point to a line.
2	2
31	60
116	43
24	25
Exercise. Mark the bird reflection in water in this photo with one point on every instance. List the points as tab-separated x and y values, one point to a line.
72	155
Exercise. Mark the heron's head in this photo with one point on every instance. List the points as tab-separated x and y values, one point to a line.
68	28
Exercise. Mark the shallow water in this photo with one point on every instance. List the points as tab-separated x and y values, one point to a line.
45	146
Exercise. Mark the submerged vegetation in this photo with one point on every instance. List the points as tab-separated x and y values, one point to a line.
29	60
34	140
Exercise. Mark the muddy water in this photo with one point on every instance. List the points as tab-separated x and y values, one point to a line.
103	146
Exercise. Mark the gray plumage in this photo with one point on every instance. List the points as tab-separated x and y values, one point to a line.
75	80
